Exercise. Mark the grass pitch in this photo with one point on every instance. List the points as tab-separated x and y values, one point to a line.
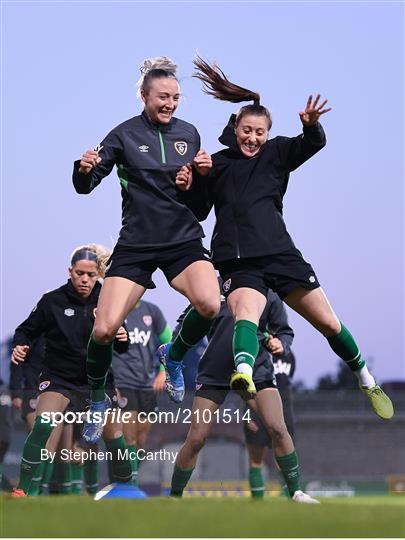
202	517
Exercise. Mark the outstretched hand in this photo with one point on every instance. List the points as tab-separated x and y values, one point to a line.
313	111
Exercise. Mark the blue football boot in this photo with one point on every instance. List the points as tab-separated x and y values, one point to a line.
94	424
174	375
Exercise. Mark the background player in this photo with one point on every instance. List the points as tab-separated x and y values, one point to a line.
137	373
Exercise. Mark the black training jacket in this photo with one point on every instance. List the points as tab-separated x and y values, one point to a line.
148	156
247	193
66	320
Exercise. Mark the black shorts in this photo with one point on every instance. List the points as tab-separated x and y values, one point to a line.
77	394
217	394
5	424
137	400
282	273
139	266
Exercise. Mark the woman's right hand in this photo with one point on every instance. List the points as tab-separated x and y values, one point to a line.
184	178
90	159
19	353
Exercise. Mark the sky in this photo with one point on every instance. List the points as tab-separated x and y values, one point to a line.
68	77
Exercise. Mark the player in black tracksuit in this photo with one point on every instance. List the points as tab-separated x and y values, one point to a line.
158	229
214	370
250	245
65	318
24	380
256	436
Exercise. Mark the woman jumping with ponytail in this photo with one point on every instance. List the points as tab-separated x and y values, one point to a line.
250	245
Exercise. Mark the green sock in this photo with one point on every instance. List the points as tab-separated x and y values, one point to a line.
134	463
64	477
46	477
31	457
256	482
290	470
343	345
245	343
99	358
283	485
193	328
180	478
77	478
35	487
121	468
90	472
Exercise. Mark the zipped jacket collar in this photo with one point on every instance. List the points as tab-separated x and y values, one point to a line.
155	125
74	296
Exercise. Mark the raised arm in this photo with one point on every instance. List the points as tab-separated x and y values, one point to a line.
296	150
96	164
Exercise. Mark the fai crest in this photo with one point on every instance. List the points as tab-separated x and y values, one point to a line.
69	312
180	147
147	319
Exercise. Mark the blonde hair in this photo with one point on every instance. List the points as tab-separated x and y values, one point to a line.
160	66
101	253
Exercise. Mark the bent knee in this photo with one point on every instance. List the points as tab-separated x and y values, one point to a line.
196	442
330	327
278	432
104	332
209	307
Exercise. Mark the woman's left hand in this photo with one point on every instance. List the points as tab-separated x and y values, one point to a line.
313	111
121	334
202	162
274	345
159	382
184	178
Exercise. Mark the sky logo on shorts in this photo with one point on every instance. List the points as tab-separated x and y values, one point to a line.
69	312
180	147
43	385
